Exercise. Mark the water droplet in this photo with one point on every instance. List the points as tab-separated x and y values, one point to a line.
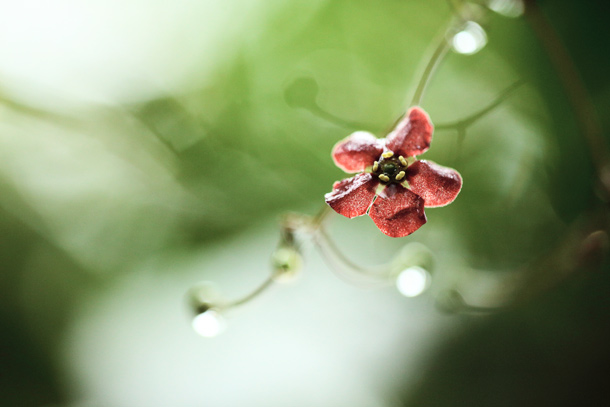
209	323
470	40
413	281
508	8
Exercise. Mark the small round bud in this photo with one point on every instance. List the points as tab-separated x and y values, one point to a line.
286	262
414	254
202	307
302	92
203	296
450	302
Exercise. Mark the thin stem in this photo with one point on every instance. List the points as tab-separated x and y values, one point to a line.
316	222
367	277
471	309
461	136
440	50
327	246
314	225
451	301
470	120
336	260
35	112
266	284
328	249
318	111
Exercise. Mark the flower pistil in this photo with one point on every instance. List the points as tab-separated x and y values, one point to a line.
390	169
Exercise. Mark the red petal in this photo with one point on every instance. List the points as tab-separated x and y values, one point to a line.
413	134
399	213
437	185
352	196
356	152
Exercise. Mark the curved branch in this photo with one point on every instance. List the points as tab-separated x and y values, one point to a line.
441	48
470	120
259	290
366	277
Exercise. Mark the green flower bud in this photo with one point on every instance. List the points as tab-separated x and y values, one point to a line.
286	263
413	255
203	296
450	302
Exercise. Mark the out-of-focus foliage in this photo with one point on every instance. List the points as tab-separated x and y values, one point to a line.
231	130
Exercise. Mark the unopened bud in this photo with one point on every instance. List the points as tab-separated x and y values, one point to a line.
413	255
286	262
450	302
203	296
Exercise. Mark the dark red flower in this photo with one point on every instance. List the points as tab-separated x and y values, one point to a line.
407	185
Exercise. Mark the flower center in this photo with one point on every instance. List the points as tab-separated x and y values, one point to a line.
390	169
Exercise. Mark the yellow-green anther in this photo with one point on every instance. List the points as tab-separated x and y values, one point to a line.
403	161
400	175
375	166
387	154
384	178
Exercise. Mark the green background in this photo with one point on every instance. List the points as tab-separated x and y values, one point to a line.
172	164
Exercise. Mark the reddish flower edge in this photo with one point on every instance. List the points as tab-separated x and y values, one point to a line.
352	197
412	135
357	151
437	185
399	213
